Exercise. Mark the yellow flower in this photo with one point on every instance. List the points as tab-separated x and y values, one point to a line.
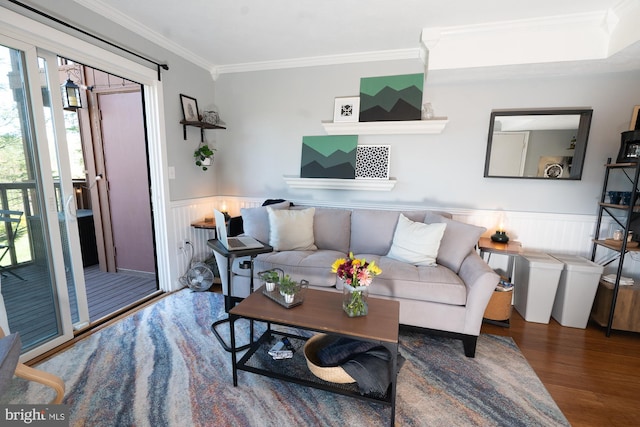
336	264
374	269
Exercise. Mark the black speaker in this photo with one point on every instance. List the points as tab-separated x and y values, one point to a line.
629	147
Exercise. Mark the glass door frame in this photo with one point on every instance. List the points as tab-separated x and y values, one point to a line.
48	197
27	30
67	201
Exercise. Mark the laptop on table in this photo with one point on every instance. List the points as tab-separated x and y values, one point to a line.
233	243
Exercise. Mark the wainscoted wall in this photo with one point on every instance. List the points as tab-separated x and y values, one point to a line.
540	232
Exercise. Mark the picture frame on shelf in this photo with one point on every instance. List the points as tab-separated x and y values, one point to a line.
329	156
373	161
391	98
189	108
635	119
346	109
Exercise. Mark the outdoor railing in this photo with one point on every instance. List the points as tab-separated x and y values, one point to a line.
19	196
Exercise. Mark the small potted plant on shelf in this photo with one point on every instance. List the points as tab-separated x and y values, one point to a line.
270	279
203	156
288	288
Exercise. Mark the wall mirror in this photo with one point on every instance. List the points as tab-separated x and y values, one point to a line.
537	144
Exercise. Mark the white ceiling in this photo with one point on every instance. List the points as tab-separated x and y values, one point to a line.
239	35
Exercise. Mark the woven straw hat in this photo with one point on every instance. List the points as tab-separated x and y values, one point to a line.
333	374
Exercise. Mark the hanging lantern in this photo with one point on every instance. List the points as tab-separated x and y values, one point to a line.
70	95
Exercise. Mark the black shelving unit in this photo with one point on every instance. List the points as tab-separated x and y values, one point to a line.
622	215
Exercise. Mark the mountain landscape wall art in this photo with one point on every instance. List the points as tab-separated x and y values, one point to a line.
391	98
329	156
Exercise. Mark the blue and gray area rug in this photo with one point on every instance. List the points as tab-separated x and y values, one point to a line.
162	367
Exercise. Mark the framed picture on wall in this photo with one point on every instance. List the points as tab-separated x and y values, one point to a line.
347	109
189	108
635	119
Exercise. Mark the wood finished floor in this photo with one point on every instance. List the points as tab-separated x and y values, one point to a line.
595	380
30	302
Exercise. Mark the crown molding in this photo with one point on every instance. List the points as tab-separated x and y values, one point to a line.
554	39
622	25
315	61
136	27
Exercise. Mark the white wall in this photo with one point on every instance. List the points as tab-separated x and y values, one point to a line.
182	77
269	112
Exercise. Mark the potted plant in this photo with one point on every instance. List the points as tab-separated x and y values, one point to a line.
288	288
270	278
203	156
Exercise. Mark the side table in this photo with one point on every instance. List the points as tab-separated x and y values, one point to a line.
229	300
500	303
512	249
206	225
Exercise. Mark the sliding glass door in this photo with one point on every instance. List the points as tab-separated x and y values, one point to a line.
56	120
38	269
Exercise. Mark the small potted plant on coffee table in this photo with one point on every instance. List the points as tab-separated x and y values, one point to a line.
288	288
270	279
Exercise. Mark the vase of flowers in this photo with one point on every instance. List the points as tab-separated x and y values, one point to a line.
357	275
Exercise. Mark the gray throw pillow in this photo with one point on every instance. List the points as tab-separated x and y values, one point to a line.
458	240
255	221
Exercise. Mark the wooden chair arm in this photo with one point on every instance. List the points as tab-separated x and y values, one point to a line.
42	377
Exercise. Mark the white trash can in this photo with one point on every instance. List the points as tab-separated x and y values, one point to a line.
535	285
576	290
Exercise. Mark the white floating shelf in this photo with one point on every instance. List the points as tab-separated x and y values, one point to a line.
340	184
403	127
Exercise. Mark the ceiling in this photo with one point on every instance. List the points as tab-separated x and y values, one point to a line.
241	35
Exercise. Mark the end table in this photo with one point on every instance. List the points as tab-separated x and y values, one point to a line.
512	249
229	300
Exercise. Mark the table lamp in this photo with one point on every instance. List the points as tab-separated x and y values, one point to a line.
500	236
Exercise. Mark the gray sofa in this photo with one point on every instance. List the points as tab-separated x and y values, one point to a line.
449	297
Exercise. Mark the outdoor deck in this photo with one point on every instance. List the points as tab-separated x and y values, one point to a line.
29	302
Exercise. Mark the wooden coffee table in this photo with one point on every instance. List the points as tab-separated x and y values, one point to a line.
321	311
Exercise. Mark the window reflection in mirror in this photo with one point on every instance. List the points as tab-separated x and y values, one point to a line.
537	144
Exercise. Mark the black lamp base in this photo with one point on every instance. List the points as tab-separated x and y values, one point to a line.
500	237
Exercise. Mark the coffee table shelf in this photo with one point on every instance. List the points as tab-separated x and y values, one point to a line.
295	370
320	312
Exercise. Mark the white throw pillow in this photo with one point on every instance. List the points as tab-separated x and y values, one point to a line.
415	242
291	230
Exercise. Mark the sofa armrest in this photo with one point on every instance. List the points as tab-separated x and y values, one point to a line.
480	281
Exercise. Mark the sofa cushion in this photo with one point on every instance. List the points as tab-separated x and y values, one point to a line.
372	230
331	229
314	266
458	240
401	280
416	243
255	221
291	229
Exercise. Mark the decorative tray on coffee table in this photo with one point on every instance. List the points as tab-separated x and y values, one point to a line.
276	296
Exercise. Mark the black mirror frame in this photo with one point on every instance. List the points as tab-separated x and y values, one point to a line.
582	138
